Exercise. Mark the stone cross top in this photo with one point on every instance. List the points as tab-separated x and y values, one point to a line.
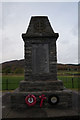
40	50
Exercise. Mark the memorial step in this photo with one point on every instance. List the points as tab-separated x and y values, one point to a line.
41	85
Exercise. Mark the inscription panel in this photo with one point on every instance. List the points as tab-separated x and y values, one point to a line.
40	58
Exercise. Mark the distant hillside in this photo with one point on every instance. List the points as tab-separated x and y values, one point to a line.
17	67
70	67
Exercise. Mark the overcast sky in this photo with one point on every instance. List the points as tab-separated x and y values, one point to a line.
63	17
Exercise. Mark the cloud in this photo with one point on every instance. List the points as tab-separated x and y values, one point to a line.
62	16
67	47
12	45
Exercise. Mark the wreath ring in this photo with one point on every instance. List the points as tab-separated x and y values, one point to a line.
30	100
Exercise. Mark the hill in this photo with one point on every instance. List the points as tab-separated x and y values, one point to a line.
17	67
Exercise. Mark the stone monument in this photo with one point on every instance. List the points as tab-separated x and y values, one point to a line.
40	69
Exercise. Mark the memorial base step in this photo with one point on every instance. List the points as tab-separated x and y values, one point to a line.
64	99
40	85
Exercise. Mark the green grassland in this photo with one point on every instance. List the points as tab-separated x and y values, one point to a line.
70	81
11	82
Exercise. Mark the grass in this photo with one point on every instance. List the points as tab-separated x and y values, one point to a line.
70	81
11	82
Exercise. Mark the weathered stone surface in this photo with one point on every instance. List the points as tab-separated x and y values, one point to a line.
65	99
30	86
32	61
39	26
40	77
40	58
56	113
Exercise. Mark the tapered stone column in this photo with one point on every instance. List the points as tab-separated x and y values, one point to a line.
40	56
40	50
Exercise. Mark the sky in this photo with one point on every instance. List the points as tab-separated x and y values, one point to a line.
63	17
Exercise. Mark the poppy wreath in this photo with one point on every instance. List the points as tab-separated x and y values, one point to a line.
30	100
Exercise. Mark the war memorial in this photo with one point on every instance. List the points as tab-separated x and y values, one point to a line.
41	94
